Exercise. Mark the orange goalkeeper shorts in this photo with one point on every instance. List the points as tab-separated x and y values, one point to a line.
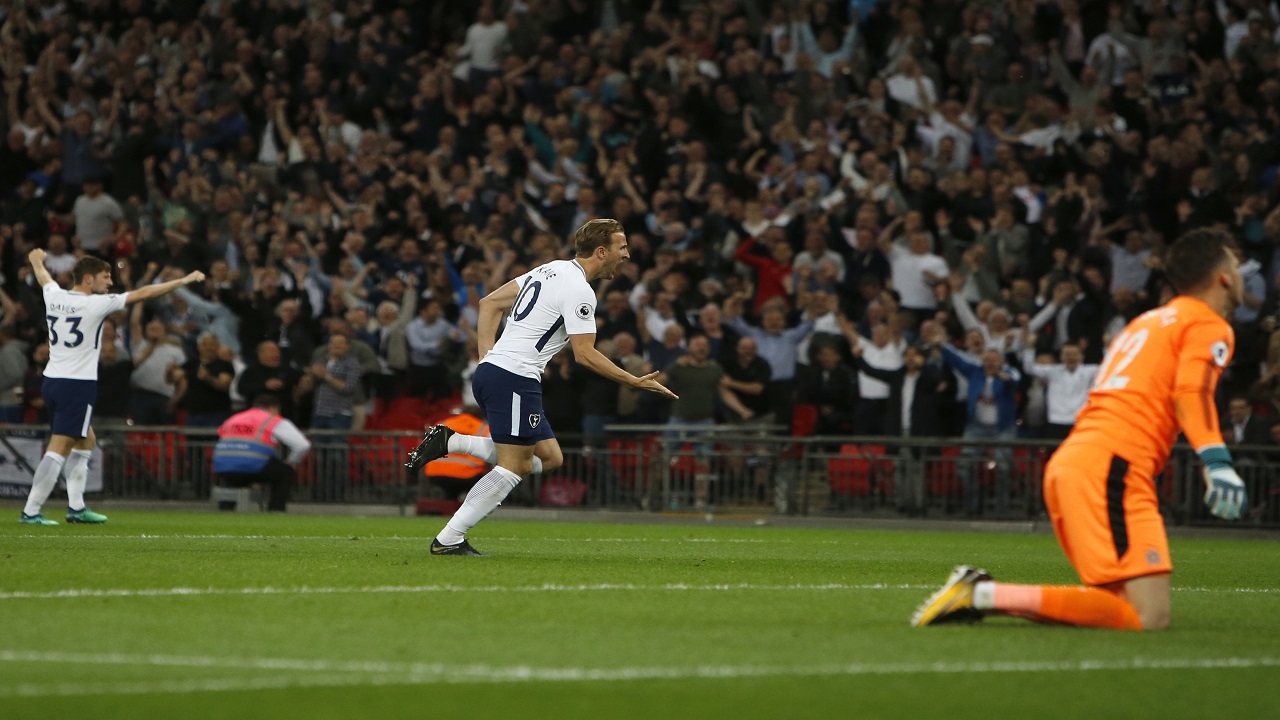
1106	516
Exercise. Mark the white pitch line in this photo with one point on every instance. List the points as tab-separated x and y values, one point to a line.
326	673
437	588
72	593
425	538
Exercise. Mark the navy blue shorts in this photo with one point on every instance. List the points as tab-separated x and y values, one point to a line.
70	404
512	404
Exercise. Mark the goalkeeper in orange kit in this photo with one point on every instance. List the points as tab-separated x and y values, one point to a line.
1158	377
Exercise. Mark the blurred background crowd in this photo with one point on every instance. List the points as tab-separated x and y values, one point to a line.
819	196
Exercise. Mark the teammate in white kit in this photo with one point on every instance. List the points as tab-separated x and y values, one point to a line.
70	389
550	306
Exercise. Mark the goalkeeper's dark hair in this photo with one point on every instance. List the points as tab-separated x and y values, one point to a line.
1194	259
595	233
88	265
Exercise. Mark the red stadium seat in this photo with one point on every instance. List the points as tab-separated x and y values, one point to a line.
624	458
940	474
803	419
851	473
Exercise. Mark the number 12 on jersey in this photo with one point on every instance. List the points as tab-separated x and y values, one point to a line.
1122	352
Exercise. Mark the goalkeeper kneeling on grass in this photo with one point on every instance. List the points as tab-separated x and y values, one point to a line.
1158	377
246	451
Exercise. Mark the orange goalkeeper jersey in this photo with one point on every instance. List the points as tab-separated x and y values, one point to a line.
1158	376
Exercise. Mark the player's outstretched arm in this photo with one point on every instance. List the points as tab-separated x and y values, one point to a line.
151	292
584	349
37	257
492	307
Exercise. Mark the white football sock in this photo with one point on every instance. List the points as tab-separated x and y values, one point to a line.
47	473
77	471
487	494
984	594
483	448
480	447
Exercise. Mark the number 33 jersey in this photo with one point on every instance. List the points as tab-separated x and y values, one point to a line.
554	302
1159	376
75	330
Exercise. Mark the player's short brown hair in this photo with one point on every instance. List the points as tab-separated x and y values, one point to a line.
88	265
1195	257
595	233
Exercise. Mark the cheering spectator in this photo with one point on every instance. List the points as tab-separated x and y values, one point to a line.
96	214
776	343
992	414
832	387
335	381
431	340
157	358
390	330
1067	385
204	385
915	271
746	377
268	374
883	351
696	379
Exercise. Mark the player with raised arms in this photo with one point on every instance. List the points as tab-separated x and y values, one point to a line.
70	389
1158	376
546	308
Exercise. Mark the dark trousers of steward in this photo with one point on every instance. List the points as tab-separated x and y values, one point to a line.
277	475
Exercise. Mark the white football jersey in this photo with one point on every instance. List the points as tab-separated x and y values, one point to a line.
555	301
75	330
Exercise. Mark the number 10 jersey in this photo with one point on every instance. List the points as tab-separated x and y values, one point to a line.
75	330
555	301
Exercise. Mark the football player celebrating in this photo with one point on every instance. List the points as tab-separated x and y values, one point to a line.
549	307
70	389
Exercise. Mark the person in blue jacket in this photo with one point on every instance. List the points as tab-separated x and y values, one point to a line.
992	415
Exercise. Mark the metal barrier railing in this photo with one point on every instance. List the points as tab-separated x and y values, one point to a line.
662	468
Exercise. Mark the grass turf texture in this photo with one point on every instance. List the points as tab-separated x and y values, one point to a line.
592	620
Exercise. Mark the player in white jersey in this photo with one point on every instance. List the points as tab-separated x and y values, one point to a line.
70	389
549	307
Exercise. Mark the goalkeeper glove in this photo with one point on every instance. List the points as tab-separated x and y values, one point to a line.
1224	494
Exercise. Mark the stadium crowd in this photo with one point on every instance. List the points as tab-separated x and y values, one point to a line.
819	198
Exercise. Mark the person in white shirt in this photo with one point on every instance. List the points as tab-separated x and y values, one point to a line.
910	86
883	351
546	309
96	215
1067	385
156	355
75	319
485	47
915	271
949	120
59	260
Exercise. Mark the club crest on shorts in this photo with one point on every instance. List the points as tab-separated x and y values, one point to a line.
584	311
534	419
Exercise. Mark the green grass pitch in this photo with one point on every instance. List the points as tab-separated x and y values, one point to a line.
207	615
